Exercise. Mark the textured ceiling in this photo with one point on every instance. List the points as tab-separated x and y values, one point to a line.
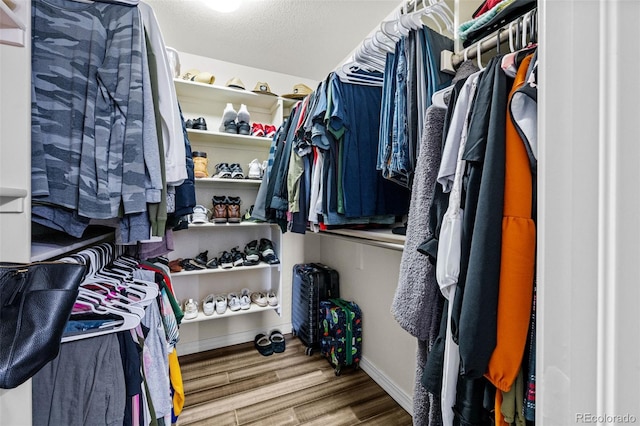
305	38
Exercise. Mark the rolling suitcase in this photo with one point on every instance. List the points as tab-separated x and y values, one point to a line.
341	341
312	283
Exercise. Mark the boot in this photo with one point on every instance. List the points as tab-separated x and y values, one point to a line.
233	209
219	209
200	163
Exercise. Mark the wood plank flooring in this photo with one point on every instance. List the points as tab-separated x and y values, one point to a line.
238	386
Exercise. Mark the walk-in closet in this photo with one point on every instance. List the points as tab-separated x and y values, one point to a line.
467	167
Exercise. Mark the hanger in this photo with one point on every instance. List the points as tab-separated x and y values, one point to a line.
348	74
385	44
128	321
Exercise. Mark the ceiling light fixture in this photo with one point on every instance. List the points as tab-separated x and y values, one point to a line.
223	6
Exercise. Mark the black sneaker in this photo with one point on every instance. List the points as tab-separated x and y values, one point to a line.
212	263
237	256
199	124
226	260
202	258
251	253
231	127
267	253
191	265
222	171
236	171
244	128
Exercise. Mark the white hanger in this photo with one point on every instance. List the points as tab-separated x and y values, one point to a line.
382	42
129	321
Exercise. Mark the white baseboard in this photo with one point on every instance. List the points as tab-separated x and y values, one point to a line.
400	396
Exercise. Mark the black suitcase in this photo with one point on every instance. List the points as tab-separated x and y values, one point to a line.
312	283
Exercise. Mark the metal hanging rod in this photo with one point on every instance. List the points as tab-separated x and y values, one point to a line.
450	61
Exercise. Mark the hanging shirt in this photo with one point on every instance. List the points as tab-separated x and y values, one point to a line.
87	77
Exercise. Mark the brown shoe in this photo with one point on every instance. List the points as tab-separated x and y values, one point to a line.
233	209
219	209
175	266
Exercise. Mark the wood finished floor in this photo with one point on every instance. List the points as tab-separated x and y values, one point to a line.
238	386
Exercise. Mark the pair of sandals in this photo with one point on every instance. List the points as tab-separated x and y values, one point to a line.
267	345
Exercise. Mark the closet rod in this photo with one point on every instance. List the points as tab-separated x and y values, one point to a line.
450	61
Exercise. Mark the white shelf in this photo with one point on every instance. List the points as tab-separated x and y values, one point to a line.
220	181
229	313
229	138
224	271
193	226
192	89
59	245
12	199
12	24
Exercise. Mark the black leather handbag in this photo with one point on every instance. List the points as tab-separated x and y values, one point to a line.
35	303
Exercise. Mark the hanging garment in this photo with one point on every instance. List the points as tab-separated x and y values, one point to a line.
417	303
166	101
517	259
356	112
449	244
484	154
94	113
75	388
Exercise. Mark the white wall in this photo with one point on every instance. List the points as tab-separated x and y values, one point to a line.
369	276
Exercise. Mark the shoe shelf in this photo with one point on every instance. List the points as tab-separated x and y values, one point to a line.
195	90
193	226
200	100
221	181
212	136
225	271
229	313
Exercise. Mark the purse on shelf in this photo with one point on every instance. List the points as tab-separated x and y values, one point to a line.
35	303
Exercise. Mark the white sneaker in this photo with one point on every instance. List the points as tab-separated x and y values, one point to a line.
243	114
245	298
190	309
265	164
272	299
200	214
221	304
208	305
255	169
228	115
259	298
233	301
245	302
